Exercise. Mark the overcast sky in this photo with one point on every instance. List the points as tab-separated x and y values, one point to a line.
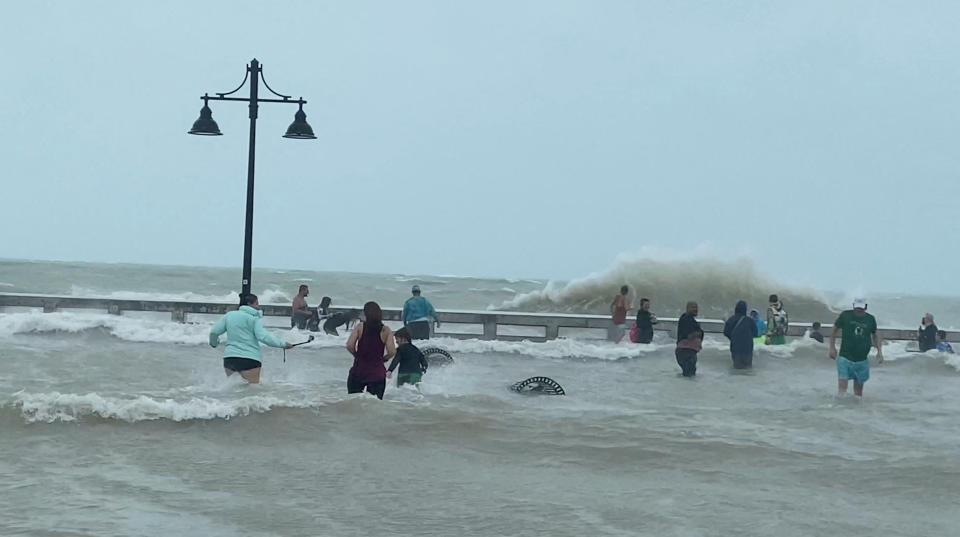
537	139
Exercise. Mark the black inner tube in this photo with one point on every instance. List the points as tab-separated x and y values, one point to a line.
538	385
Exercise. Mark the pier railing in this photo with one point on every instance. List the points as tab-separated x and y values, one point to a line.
463	324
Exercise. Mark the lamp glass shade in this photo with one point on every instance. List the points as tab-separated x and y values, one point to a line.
205	125
300	129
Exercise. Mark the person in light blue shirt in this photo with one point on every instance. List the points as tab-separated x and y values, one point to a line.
417	314
245	333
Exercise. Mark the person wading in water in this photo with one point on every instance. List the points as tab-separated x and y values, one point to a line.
245	333
371	344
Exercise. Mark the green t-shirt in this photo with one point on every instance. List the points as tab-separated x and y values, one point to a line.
857	335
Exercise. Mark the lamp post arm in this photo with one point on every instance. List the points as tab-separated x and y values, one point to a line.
246	100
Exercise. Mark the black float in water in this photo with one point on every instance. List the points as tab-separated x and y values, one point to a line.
538	386
437	356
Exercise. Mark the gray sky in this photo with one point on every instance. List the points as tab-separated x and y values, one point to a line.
537	139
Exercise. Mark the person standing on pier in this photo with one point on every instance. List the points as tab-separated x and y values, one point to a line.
927	334
859	331
777	322
301	315
689	340
645	321
618	320
417	315
245	333
741	330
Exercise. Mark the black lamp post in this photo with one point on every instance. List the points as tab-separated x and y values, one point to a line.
206	126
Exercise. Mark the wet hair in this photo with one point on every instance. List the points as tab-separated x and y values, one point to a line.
774	298
643	300
403	334
624	290
816	325
372	312
373	324
941	334
325	301
247	299
302	287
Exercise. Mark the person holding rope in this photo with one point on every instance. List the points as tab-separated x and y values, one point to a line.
245	333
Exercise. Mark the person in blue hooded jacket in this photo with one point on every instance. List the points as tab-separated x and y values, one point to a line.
740	330
245	333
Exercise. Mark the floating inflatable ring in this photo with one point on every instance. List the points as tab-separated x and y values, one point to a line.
437	356
538	385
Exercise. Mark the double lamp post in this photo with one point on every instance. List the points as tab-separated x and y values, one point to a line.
298	130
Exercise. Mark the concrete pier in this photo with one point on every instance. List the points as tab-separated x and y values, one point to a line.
463	324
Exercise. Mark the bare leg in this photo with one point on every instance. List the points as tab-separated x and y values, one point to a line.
842	387
252	376
228	371
857	389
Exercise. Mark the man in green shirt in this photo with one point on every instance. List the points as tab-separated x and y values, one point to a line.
859	333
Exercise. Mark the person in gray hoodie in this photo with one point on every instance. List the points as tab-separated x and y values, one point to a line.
740	330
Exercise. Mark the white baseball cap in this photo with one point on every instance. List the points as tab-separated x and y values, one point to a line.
860	303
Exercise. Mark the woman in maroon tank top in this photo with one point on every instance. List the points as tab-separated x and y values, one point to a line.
371	344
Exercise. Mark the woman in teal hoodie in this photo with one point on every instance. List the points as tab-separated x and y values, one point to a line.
245	332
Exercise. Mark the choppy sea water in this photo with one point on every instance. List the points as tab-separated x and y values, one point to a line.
103	436
126	425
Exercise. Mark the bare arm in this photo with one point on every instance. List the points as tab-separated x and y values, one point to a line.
833	342
391	345
354	338
879	344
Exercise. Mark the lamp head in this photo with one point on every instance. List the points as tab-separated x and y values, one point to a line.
300	129
205	125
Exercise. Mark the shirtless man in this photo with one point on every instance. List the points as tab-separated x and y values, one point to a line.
301	312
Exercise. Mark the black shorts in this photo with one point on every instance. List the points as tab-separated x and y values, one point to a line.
240	364
376	387
687	360
419	329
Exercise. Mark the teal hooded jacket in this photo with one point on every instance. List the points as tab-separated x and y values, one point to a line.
245	332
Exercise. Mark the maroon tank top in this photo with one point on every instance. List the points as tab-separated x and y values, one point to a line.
368	363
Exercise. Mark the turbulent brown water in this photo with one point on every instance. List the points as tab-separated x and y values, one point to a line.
125	425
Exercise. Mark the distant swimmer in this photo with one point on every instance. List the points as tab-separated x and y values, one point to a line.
417	314
645	321
815	332
618	311
371	344
942	344
301	315
777	322
927	333
741	330
245	333
413	364
689	340
859	331
761	326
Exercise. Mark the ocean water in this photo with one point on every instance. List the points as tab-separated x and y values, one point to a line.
126	425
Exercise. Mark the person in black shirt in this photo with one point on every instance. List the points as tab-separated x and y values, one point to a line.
412	362
689	340
927	334
645	322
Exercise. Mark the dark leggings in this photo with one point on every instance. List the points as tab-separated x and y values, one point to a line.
375	387
687	359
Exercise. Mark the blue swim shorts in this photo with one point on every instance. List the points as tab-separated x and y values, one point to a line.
856	371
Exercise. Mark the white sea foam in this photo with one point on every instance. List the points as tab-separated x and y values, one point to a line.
268	296
670	280
55	406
